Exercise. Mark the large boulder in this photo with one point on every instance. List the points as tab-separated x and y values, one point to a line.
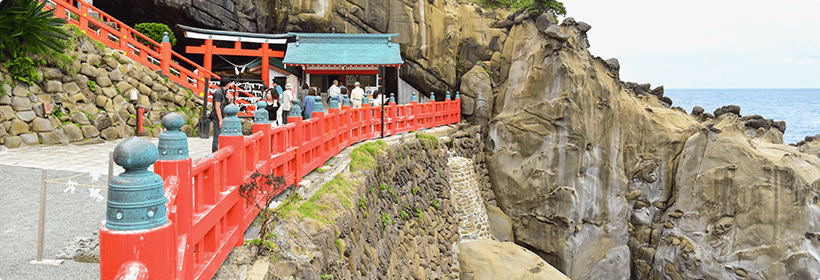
89	131
72	132
6	113
13	142
20	103
500	224
488	259
41	125
109	134
30	139
102	121
18	127
477	84
49	138
26	116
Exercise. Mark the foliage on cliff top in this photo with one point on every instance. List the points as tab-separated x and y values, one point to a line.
363	157
322	205
532	6
155	31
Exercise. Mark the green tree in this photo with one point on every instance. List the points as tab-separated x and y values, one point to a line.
155	31
26	27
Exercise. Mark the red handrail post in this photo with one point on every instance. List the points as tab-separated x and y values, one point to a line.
165	55
264	144
175	168
298	143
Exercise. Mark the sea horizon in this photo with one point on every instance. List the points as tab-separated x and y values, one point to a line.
797	106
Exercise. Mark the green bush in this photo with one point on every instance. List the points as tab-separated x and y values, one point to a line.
532	6
26	28
154	31
92	85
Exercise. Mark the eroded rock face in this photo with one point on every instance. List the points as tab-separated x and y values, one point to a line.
569	143
747	207
604	181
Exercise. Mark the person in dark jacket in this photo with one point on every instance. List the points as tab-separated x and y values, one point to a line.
220	100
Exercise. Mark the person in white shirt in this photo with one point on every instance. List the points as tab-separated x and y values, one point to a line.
378	100
356	96
334	90
286	98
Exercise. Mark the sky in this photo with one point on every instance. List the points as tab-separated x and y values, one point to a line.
707	44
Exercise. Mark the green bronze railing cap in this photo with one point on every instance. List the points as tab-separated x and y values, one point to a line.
173	143
261	115
231	125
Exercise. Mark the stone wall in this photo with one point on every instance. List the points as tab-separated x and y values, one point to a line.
401	226
90	102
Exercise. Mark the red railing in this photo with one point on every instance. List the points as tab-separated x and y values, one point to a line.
119	36
208	217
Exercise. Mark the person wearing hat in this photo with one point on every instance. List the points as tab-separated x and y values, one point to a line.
286	97
220	100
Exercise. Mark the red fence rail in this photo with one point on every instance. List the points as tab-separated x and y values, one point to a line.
113	33
208	217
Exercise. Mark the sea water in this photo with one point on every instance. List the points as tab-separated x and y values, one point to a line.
800	108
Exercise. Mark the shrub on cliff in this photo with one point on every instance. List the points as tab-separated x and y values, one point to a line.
533	6
155	31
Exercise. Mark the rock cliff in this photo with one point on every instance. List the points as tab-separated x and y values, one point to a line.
604	180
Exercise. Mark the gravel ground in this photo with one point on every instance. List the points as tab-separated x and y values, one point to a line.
68	215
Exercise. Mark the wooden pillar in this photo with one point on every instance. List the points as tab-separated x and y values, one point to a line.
208	60
265	64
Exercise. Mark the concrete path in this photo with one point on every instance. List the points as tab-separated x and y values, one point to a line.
71	211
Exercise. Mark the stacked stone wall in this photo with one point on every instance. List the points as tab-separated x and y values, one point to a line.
91	102
469	143
473	221
411	178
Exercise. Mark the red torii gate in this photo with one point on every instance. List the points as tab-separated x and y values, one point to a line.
209	49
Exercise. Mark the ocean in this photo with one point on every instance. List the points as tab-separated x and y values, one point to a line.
800	108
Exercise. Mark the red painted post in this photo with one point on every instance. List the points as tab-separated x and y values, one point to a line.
140	112
296	141
264	144
265	64
165	55
175	168
153	248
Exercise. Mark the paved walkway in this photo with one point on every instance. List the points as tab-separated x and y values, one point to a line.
86	158
71	211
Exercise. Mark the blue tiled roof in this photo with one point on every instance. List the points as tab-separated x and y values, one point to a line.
342	49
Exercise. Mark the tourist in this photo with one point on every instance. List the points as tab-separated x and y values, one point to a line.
277	87
220	100
307	104
303	92
334	90
356	96
286	98
273	107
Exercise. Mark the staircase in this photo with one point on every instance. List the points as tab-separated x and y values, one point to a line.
113	33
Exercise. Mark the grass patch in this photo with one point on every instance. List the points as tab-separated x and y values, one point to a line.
427	140
363	157
320	207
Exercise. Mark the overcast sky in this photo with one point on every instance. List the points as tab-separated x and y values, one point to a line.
707	44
